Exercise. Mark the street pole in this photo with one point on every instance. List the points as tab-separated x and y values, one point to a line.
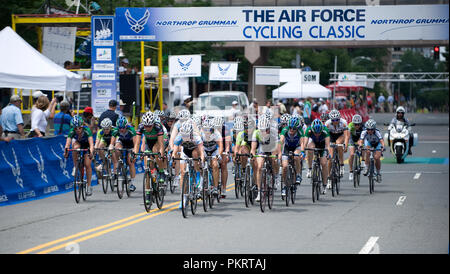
334	87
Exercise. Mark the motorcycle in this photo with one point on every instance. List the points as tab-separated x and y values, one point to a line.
399	139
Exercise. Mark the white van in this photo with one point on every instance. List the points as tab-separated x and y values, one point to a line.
219	103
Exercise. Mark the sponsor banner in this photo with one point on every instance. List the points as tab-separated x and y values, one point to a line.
223	71
311	23
310	77
59	44
34	168
267	76
185	66
104	63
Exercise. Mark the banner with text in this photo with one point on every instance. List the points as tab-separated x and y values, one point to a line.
313	23
185	66
223	71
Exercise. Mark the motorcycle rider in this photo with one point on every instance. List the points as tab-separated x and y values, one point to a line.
400	117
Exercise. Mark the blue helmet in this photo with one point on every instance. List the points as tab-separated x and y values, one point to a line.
77	121
294	122
317	126
121	122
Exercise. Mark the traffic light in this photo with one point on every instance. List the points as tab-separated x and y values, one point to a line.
436	52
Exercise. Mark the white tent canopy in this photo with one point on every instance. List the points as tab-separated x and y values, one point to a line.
24	67
295	89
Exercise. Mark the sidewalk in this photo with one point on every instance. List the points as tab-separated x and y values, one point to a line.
418	118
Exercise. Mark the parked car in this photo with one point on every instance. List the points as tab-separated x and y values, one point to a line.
219	103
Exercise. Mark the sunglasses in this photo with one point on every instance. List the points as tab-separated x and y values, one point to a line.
335	120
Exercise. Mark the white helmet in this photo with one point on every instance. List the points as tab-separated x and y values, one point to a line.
218	121
106	123
207	124
357	119
238	126
184	114
334	114
371	124
263	123
186	127
400	109
148	119
285	118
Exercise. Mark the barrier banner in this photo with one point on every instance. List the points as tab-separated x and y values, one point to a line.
34	168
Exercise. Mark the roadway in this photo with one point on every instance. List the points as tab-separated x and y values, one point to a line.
408	213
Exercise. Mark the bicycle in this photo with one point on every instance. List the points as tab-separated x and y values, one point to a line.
79	184
356	167
152	186
267	182
290	181
316	177
335	170
238	180
189	192
371	173
122	179
249	187
106	174
171	172
208	184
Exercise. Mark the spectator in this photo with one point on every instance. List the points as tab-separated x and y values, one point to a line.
41	111
89	120
253	108
110	113
369	103
390	101
381	100
307	111
124	69
12	121
61	122
323	108
67	64
282	107
121	108
166	109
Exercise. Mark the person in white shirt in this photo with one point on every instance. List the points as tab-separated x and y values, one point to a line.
41	111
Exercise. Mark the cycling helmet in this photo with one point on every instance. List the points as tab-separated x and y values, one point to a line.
284	119
148	119
197	119
239	126
184	114
294	122
264	123
317	126
218	121
334	114
400	109
207	124
172	115
77	121
371	124
357	119
186	127
106	123
324	117
159	112
122	122
238	119
268	113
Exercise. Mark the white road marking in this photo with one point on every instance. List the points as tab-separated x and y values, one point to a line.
417	176
371	245
434	142
401	200
434	151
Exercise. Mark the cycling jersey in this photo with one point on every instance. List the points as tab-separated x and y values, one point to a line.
336	131
151	137
355	133
291	142
103	137
189	143
126	139
266	142
372	140
211	142
82	139
319	141
242	139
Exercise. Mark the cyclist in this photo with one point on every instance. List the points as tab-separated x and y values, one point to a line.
104	136
125	137
212	145
265	140
324	117
153	140
339	134
355	128
318	136
371	138
80	137
225	130
284	120
243	140
400	117
291	138
190	145
182	117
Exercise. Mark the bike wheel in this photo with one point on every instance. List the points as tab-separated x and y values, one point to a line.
371	179
315	180
287	185
83	184
185	195
104	178
247	187
271	190
147	192
109	175
205	191
355	170
263	192
120	181
334	175
194	192
237	179
127	181
293	188
77	184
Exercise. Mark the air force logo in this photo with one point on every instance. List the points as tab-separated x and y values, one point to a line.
223	71
184	66
137	25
